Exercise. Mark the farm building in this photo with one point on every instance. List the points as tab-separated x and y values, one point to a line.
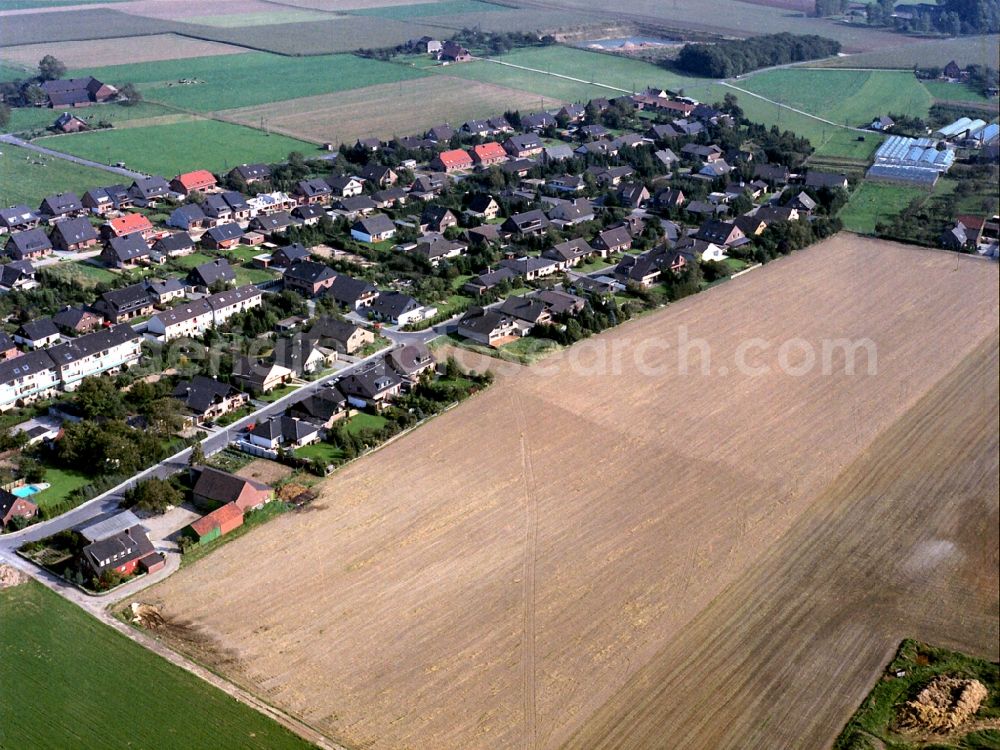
218	523
215	488
916	161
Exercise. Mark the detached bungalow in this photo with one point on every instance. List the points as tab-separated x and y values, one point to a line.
374	228
222	237
124	252
206	399
489	327
201	180
400	309
373	385
284	432
258	376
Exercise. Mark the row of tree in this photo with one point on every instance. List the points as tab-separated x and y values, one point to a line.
733	58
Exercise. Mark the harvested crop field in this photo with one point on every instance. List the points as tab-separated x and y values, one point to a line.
387	109
509	573
119	51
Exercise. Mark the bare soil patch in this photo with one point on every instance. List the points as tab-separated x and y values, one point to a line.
599	552
387	109
126	50
268	472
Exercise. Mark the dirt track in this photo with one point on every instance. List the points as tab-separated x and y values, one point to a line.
419	609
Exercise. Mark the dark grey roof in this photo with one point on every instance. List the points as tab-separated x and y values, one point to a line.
17	216
200	393
291	253
374	224
35	330
184	216
28	241
28	363
91	343
287	429
252	171
150	187
393	304
370	381
60	203
225	232
129	247
312	188
209	273
75	230
174	242
492	278
410	358
221	486
347	290
309	271
332	329
118	549
14	271
321	405
126	299
523	308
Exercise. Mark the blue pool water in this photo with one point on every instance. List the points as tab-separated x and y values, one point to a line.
24	491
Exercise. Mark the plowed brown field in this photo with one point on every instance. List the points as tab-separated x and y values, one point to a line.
607	557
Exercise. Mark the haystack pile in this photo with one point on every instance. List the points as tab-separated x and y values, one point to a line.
146	616
944	704
10	577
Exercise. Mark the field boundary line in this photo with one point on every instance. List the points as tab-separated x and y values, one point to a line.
555	75
792	109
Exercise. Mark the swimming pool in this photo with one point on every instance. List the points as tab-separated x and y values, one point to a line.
27	490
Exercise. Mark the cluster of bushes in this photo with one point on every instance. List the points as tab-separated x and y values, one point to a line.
733	58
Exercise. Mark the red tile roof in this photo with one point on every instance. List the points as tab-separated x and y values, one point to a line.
218	517
491	150
197	180
455	158
129	224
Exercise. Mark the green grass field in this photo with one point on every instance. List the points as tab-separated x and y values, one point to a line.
873	202
179	147
957	92
27	177
848	97
266	18
24	119
82	684
230	81
966	50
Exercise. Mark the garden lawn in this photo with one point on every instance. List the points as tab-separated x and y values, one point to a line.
277	393
82	684
365	422
179	147
187	262
249	275
63	482
82	273
27	176
321	451
230	81
872	202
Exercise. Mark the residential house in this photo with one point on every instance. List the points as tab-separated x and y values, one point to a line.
489	327
612	241
30	244
570	253
283	432
400	309
374	228
74	235
955	237
108	350
429	186
12	506
486	155
194	317
188	216
802	201
374	384
250	174
566	183
214	273
198	181
308	277
394	196
700	249
120	305
125	252
597	148
206	399
633	194
313	191
17	275
272	224
308	215
594	132
61	205
368	144
570	213
529	310
571	112
174	245
379	175
485	282
560	303
222	237
647	268
357	205
773	174
452	160
411	361
723	233
523	146
122	226
324	407
18	218
537	121
26	378
441	133
662	132
557	152
165	290
284	257
342	336
526	224
351	293
669	198
149	192
751	226
715	169
37	334
453	53
214	488
773	214
301	356
258	376
531	268
483	206
76	320
104	200
344	186
611	176
227	207
667	157
435	248
437	219
518	167
123	552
